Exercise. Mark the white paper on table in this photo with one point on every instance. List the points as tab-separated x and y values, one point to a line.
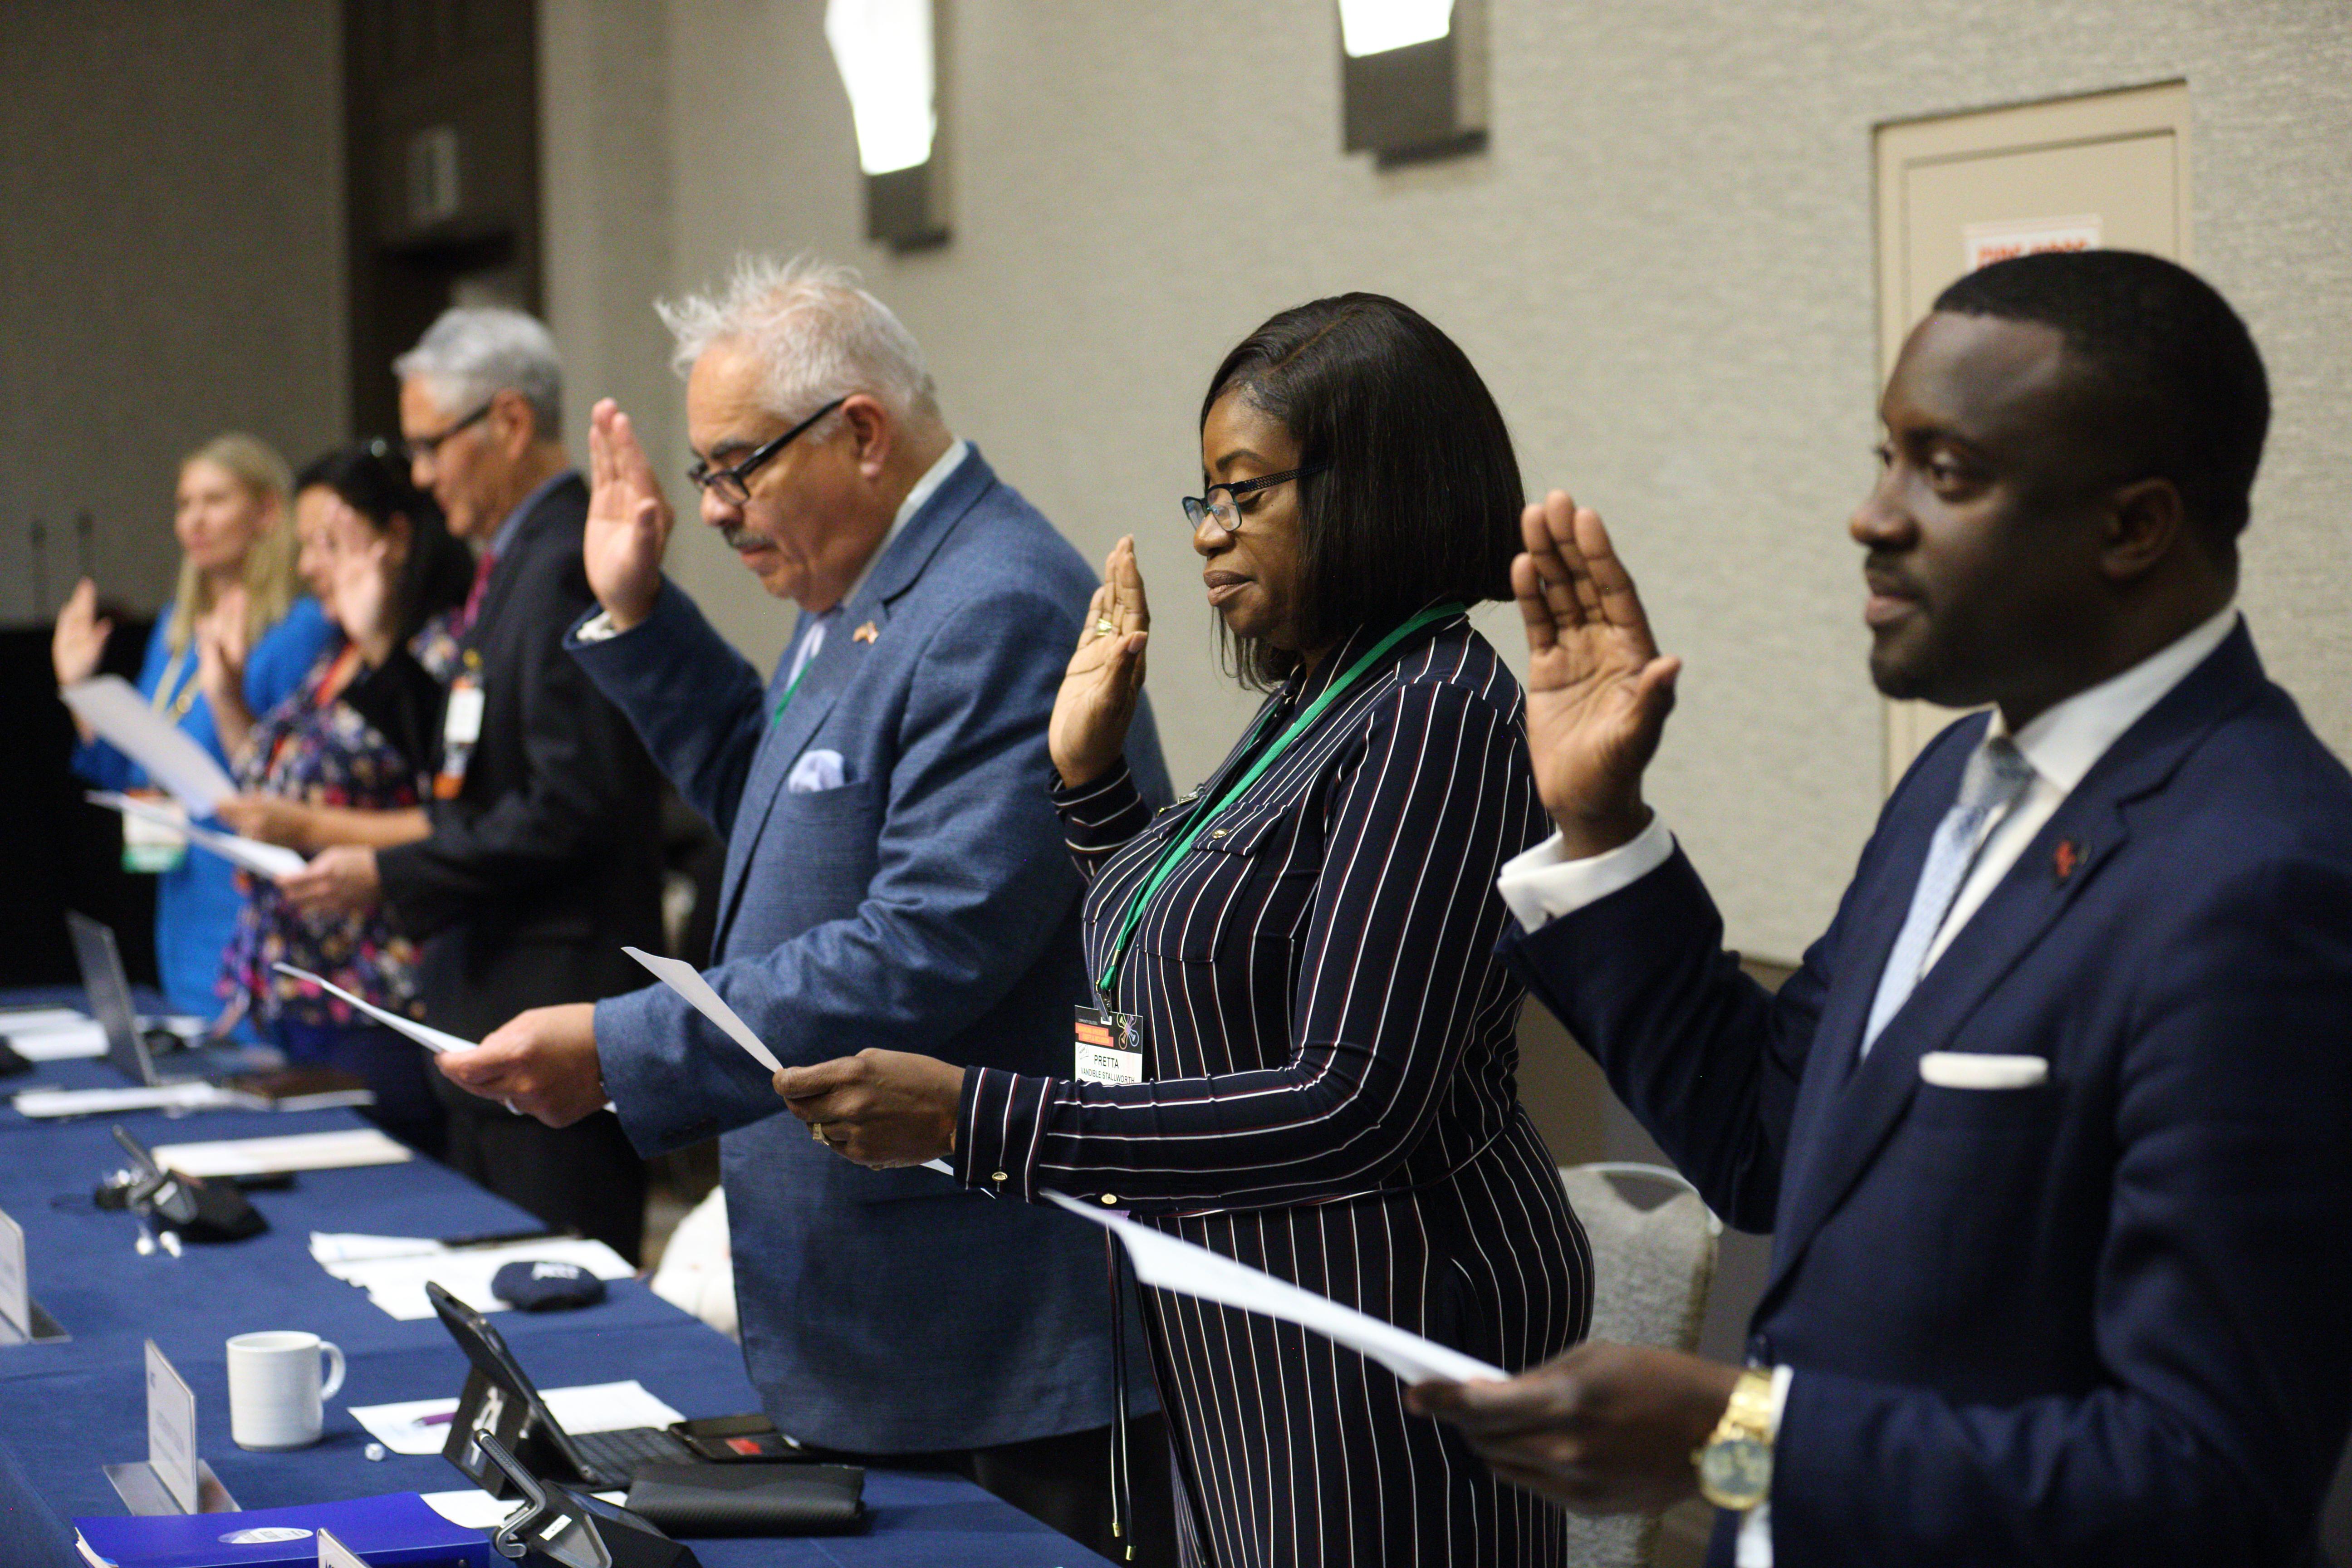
112	706
296	1152
329	1248
591	1407
42	1103
432	1039
18	1021
84	1039
397	1285
1176	1264
472	1508
270	861
688	982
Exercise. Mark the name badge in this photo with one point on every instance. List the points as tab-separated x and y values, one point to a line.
150	847
461	726
1110	1046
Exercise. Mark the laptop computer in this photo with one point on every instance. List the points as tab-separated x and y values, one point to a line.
129	1046
500	1399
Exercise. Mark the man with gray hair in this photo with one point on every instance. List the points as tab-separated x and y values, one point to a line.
538	855
895	880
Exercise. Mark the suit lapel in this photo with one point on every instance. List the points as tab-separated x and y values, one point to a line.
849	644
1844	1117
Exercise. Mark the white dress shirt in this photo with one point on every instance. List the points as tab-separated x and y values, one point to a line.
2062	744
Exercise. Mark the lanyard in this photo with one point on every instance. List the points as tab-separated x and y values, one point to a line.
173	701
1201	819
786	699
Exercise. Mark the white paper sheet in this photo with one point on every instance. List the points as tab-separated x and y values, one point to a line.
1175	1265
688	982
39	1020
591	1407
432	1039
296	1152
270	861
396	1284
473	1509
79	1040
112	706
42	1103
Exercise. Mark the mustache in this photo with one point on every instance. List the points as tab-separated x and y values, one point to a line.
736	535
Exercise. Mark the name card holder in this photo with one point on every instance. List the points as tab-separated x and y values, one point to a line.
22	1319
173	1477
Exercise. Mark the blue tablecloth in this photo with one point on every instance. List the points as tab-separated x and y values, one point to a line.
68	1408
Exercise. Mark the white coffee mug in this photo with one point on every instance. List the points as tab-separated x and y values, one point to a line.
274	1393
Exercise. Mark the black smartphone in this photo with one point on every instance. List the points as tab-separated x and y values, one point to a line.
735	1440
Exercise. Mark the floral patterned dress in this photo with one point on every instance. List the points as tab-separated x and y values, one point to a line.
315	749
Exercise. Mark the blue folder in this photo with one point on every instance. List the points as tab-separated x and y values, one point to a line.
397	1530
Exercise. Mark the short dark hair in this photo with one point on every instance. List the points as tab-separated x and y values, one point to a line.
2183	384
1421	497
372	479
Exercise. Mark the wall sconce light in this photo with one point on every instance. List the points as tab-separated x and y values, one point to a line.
1413	77
888	55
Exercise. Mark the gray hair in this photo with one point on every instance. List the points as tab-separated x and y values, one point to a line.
816	330
471	354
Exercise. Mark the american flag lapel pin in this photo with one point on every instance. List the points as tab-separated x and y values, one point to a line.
2065	858
865	633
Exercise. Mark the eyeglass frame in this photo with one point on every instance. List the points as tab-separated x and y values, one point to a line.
1198	507
703	476
427	448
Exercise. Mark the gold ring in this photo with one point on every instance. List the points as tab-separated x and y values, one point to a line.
816	1130
1105	627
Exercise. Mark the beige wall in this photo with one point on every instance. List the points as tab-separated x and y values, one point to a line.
1664	266
171	264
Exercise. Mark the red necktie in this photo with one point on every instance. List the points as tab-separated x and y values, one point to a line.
473	599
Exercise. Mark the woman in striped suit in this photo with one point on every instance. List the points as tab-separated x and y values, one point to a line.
1326	1086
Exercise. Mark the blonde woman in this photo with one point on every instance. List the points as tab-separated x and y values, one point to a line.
239	637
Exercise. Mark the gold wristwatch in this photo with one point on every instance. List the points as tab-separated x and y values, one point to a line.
1735	1467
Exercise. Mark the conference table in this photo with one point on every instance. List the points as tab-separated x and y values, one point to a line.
68	1408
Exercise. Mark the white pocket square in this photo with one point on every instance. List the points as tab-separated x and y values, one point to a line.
1972	1069
816	771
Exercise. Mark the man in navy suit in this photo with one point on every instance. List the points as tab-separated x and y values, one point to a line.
2053	1127
894	878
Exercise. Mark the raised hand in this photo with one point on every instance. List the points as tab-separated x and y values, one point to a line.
1598	690
628	520
222	645
1105	677
367	601
79	642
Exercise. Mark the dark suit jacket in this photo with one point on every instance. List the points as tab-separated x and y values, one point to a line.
2105	1320
923	904
548	858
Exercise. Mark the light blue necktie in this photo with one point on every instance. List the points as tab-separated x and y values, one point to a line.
1997	775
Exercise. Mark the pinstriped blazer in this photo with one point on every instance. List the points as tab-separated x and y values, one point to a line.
1331	1058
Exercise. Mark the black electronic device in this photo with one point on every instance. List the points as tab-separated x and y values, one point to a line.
572	1529
129	1045
192	1209
12	1062
738	1439
500	1400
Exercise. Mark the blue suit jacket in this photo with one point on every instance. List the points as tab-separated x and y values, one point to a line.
926	904
2106	1320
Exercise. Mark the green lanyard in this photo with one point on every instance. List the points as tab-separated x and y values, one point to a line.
786	699
1201	819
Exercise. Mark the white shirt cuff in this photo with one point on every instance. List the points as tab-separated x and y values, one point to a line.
1754	1548
1544	884
598	627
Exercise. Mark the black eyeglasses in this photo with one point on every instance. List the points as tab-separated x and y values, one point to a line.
1220	502
732	486
428	447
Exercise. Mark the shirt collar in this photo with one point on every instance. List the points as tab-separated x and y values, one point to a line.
505	535
925	488
2064	742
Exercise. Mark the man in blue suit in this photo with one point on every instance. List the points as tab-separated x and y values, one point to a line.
895	878
2054	1128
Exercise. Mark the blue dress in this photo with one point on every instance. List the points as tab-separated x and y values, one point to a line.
197	900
